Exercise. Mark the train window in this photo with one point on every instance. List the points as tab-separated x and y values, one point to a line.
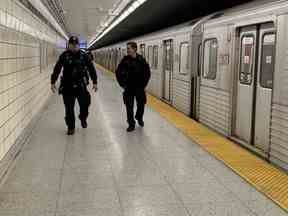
247	59
119	55
142	50
210	58
124	52
184	56
168	57
189	57
267	60
155	57
150	55
199	60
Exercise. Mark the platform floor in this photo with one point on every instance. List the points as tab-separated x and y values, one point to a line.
104	171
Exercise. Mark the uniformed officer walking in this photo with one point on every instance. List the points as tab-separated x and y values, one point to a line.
75	64
133	74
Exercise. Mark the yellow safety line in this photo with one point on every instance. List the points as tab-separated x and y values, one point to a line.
263	176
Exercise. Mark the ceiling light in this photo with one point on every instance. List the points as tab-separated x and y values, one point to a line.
131	8
141	1
136	4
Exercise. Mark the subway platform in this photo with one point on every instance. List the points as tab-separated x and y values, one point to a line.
105	171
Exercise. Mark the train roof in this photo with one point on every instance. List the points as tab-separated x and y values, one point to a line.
249	9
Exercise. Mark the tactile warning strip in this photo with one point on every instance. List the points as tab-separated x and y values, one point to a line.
263	176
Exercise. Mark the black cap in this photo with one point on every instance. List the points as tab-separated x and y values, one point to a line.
73	40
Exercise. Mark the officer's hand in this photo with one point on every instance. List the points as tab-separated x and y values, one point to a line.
95	88
53	88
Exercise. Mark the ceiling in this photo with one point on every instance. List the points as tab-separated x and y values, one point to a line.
86	18
158	14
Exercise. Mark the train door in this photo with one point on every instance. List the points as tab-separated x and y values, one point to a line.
167	69
254	85
115	54
196	56
41	56
119	56
111	60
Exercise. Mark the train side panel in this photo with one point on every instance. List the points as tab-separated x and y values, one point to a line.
279	121
216	76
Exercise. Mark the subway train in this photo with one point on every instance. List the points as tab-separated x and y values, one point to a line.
227	70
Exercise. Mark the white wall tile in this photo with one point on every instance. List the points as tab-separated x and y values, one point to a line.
20	33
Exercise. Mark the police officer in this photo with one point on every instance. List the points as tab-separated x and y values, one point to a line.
75	64
133	74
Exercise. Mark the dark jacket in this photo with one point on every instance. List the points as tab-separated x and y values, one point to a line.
133	73
90	55
75	66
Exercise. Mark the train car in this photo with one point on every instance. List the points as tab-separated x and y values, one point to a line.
229	71
246	94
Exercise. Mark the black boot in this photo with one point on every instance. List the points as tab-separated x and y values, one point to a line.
83	119
84	123
70	122
130	128
70	131
140	121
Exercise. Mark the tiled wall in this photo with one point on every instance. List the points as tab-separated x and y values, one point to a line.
27	54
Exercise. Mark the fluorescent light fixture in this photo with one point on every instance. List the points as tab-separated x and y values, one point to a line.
136	4
131	8
44	11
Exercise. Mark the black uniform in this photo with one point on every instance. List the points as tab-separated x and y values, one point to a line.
90	55
133	75
74	83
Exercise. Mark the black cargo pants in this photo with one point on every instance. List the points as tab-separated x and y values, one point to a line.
129	97
84	100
